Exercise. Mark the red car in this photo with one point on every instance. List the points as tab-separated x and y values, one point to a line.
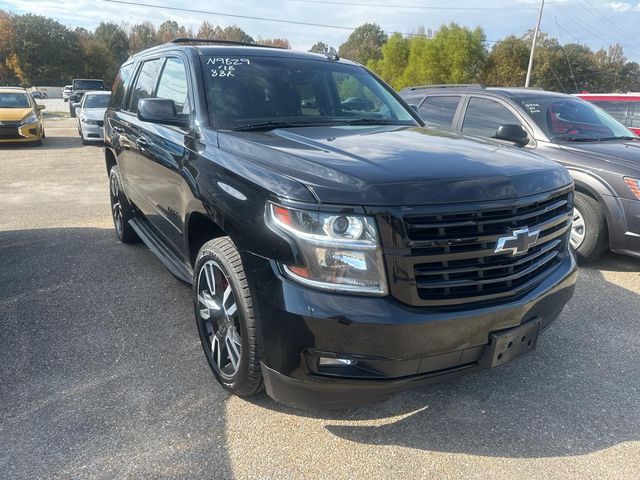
624	107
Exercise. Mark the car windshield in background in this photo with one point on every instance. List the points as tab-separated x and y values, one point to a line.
573	120
96	101
14	100
87	85
246	93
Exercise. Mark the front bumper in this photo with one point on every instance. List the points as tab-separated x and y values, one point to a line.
627	240
92	132
23	134
400	346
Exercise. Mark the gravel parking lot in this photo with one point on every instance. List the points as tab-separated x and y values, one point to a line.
102	374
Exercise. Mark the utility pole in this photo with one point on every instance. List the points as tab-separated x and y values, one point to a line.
533	46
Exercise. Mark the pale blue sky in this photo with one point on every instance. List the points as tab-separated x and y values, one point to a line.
594	22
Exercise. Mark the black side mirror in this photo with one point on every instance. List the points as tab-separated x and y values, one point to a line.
162	111
414	108
512	133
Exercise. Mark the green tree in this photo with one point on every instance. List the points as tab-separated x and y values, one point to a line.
507	63
141	36
48	52
275	42
319	47
169	30
364	44
10	70
115	39
395	59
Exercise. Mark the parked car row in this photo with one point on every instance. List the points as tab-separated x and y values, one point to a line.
20	117
601	154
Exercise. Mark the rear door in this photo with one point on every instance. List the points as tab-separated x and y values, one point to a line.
440	111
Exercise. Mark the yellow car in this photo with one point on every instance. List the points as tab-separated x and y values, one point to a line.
20	117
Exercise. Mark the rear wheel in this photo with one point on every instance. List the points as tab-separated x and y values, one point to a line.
121	210
589	228
226	317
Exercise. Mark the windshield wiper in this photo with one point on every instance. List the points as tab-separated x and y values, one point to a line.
570	137
619	137
367	121
270	125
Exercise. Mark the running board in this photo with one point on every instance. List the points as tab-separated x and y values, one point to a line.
174	264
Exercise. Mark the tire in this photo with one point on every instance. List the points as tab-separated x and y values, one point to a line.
121	210
224	318
589	229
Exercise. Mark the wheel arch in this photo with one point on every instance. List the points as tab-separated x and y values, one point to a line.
200	228
598	189
110	159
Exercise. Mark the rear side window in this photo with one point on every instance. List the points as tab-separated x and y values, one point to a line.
634	115
120	86
145	84
616	109
173	85
484	116
439	112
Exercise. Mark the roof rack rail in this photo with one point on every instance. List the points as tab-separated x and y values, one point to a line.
445	85
219	42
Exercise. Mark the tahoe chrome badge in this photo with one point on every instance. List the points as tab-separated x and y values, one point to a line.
519	242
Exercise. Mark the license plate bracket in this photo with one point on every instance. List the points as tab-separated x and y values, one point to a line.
507	345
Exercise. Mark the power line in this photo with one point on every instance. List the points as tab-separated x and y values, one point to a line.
263	19
581	24
609	21
413	7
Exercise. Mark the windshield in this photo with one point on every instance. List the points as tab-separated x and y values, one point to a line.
96	101
269	92
14	100
88	85
570	119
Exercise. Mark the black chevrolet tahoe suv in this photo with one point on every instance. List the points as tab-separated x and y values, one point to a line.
601	154
338	250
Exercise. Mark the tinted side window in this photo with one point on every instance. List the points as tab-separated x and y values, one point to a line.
439	111
616	109
145	83
483	117
173	85
634	115
120	86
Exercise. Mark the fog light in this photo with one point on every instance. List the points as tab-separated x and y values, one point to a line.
335	362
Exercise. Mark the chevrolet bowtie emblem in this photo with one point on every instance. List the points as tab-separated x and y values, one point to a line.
518	242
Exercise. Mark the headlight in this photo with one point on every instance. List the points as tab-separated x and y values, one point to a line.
32	118
634	186
89	122
341	252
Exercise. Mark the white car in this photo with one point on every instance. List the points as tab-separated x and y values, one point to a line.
66	92
90	114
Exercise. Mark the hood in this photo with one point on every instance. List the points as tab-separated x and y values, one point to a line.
14	114
93	113
395	166
625	153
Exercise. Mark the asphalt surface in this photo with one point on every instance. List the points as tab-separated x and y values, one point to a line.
102	375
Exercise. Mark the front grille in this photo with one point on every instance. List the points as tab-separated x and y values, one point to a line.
9	130
452	258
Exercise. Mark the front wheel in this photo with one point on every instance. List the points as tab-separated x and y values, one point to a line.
589	228
226	317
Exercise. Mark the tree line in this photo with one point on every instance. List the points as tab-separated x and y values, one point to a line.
37	50
456	54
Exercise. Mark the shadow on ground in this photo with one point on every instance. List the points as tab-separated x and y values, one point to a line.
49	143
101	370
